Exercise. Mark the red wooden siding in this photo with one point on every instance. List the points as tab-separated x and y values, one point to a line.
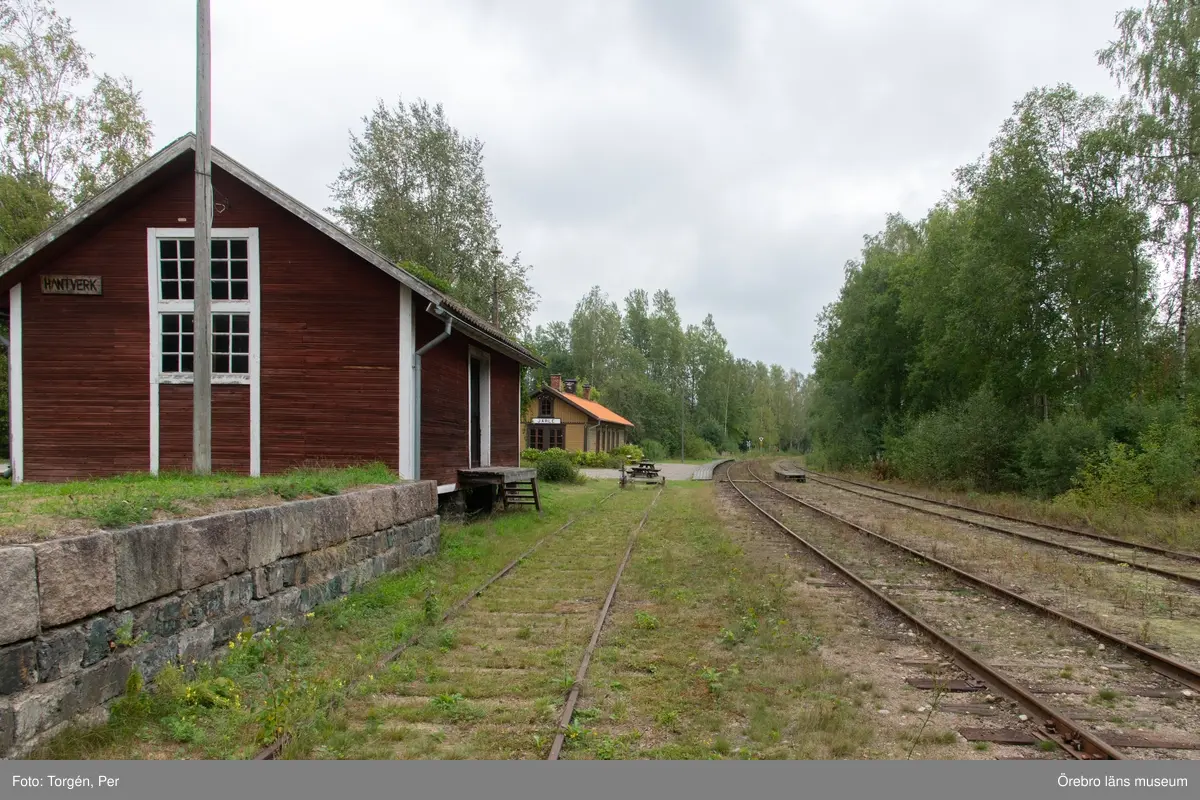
506	412
329	369
444	433
87	359
230	428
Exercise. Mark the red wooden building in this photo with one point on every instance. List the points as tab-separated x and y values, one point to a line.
316	342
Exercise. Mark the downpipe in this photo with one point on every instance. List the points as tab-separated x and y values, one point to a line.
439	312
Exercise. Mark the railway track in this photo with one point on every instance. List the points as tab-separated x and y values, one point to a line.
965	624
274	750
1121	550
488	691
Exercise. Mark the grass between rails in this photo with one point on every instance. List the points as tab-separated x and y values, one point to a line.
1173	530
32	511
285	680
706	656
709	656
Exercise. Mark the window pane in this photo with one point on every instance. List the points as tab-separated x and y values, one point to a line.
221	343
170	343
220	270
187	322
170	323
170	270
241	343
220	290
237	269
241	364
220	323
188	341
220	362
241	323
220	248
170	362
241	291
188	291
170	290
187	248
187	270
168	248
185	363
238	248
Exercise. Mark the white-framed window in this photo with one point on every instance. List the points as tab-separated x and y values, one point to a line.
234	324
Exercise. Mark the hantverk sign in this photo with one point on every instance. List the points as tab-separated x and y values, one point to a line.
546	421
71	284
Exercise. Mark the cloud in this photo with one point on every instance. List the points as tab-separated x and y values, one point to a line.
734	153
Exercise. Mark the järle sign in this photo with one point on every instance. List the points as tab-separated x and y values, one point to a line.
71	284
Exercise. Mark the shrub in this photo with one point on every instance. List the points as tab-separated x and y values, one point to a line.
557	466
654	450
1051	453
1161	470
698	447
530	455
628	452
967	445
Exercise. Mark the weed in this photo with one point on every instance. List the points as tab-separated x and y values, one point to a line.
446	640
1047	746
524	633
981	746
644	621
712	678
722	746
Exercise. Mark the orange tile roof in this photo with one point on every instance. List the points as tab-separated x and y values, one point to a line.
593	409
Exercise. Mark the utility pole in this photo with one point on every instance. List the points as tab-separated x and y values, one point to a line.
496	299
682	404
202	316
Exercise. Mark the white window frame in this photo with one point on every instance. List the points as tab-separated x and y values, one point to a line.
485	406
250	306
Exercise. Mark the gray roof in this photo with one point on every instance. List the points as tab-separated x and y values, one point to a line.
467	321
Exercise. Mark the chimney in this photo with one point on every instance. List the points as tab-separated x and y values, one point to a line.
556	382
569	385
587	391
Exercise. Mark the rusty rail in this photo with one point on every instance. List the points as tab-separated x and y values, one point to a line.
1164	665
576	687
272	751
1190	580
1113	540
1068	734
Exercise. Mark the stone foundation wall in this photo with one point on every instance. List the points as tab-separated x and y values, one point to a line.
78	615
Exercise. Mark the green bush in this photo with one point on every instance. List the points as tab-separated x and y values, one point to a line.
1052	452
628	452
530	455
698	447
557	466
967	445
1162	470
654	450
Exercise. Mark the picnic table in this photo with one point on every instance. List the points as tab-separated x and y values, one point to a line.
642	472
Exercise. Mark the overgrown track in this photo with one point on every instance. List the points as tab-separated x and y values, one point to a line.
1173	555
864	554
581	675
273	750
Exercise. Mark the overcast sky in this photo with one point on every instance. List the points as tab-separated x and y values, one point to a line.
733	152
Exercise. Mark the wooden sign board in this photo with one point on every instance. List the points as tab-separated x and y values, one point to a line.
546	421
71	284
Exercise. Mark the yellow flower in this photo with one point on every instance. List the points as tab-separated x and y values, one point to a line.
231	645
